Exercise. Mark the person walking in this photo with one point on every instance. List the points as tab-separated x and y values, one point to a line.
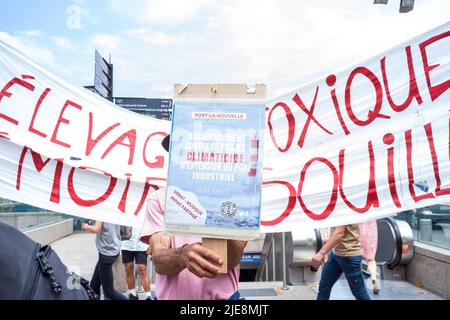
108	246
135	251
368	236
345	256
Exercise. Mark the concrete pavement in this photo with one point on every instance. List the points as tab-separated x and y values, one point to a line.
79	253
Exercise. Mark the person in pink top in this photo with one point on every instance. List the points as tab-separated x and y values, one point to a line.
185	270
368	237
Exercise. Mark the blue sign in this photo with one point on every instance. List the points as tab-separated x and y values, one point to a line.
214	181
155	108
251	258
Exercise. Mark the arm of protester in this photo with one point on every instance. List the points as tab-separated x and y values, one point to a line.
194	257
335	237
235	250
165	258
92	229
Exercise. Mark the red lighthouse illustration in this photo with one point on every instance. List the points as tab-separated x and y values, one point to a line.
253	156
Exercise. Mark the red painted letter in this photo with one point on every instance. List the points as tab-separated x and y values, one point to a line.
372	197
131	136
439	191
290	205
413	89
329	209
437	90
89	203
90	143
291	124
4	93
408	140
36	110
310	115
39	164
373	114
159	160
61	119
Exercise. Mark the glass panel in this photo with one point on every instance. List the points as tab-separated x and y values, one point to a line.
430	225
25	217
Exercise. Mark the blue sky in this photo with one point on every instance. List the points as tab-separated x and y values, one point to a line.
156	43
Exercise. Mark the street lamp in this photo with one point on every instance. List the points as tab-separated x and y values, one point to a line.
405	5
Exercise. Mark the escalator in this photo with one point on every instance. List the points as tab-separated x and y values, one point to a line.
395	250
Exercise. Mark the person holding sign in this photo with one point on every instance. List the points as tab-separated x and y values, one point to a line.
345	256
186	270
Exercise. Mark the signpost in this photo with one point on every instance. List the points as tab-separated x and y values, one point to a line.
103	80
155	108
215	169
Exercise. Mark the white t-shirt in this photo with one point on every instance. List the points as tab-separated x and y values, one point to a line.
134	244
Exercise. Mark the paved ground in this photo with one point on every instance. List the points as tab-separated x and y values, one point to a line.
79	253
390	290
274	291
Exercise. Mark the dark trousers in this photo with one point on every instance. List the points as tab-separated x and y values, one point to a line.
332	271
103	275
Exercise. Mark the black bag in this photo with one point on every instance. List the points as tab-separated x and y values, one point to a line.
29	271
125	233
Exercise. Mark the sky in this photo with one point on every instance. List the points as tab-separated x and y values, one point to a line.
156	43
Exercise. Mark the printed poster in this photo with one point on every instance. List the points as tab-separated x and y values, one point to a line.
215	169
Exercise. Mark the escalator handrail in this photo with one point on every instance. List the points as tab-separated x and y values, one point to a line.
319	243
398	244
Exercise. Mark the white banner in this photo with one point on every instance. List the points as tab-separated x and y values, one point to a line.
362	143
359	144
66	149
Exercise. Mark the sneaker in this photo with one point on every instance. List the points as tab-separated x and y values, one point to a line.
375	287
132	297
149	298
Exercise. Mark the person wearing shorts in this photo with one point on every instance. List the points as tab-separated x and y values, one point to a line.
134	252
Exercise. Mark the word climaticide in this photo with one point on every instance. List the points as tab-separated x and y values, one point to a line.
215	157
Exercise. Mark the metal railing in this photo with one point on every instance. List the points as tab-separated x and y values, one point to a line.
28	220
150	272
270	264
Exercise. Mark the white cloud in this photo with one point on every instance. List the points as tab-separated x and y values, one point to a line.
29	48
31	33
80	72
282	43
155	38
62	42
106	41
158	38
269	40
278	42
166	12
